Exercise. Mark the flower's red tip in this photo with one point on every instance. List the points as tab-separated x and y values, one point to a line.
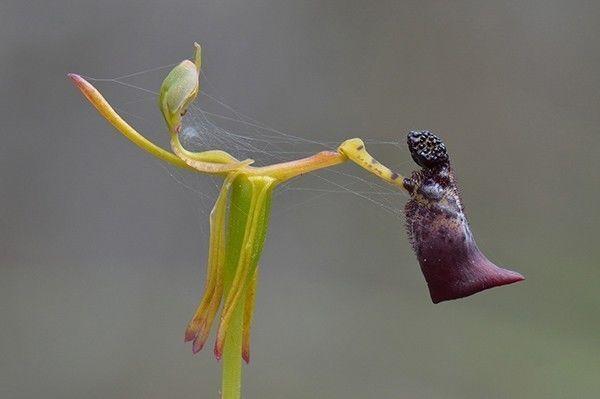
218	352
198	345
190	335
75	78
86	88
246	356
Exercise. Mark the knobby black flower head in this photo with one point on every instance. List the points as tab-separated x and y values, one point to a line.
438	229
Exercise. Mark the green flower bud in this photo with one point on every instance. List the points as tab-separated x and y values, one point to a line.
178	90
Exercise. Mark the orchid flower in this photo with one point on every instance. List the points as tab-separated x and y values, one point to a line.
450	260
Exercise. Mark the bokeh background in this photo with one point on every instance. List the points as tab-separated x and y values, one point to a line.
102	250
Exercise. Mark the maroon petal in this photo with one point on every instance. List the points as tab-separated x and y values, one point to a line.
450	260
454	267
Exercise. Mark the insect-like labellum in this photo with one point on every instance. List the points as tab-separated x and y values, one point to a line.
450	260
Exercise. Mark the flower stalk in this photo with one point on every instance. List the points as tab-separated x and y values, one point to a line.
247	229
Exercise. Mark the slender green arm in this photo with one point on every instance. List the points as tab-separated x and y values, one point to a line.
211	161
104	108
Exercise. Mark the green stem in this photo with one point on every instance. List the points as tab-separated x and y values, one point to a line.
244	194
231	383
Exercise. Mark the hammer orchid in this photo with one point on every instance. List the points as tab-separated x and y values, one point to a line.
452	263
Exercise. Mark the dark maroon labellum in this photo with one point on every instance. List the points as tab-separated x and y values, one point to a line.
450	260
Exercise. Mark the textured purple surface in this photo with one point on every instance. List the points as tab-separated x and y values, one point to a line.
450	260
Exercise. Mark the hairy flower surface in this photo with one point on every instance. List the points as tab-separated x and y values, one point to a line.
438	229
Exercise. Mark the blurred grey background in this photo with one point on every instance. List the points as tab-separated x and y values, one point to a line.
102	250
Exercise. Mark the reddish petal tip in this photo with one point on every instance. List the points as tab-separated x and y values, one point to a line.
196	350
86	88
197	346
75	78
190	335
246	356
218	352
